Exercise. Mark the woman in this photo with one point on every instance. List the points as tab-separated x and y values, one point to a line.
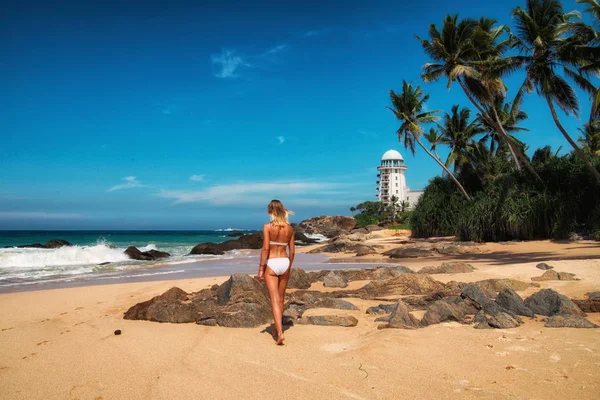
275	263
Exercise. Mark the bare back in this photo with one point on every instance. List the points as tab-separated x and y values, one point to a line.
278	234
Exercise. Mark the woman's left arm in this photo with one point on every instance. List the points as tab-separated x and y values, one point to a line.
264	254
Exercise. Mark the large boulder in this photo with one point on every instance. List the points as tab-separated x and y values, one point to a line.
364	274
239	302
549	302
491	313
252	241
500	320
511	301
359	230
408	252
442	311
327	225
335	279
406	284
544	266
448	268
208	248
568	321
338	245
302	239
298	279
365	251
401	318
155	254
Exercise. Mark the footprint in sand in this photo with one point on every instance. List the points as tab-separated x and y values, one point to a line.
43	342
502	353
509	367
7	329
489	346
555	358
1	368
79	323
63	313
79	308
67	331
29	356
45	320
503	338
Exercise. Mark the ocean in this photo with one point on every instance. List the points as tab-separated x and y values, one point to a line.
99	255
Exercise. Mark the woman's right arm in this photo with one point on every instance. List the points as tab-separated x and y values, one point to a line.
292	245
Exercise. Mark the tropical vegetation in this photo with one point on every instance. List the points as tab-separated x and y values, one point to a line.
490	189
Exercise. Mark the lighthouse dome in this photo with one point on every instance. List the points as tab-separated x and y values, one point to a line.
392	155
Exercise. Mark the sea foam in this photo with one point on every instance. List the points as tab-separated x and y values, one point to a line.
63	256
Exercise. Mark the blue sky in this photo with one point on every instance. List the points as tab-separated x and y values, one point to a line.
191	115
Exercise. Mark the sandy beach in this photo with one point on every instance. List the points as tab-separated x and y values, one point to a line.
59	344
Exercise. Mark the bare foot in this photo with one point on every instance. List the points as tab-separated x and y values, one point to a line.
280	340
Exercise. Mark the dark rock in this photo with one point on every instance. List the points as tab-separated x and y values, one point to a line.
252	241
359	230
374	228
511	301
544	266
118	332
364	274
56	243
31	246
442	311
448	268
568	321
591	305
135	254
338	245
548	302
171	306
154	254
207	322
298	279
408	252
456	249
478	298
593	295
104	263
401	318
552	275
301	237
502	320
406	284
329	320
236	234
335	279
300	301
328	226
207	248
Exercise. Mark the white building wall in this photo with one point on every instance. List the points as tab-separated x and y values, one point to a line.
395	169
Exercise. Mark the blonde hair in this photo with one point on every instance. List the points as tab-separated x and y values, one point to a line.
279	214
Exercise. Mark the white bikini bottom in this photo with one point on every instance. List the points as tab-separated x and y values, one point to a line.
279	265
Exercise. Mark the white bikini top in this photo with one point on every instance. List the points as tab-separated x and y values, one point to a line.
278	243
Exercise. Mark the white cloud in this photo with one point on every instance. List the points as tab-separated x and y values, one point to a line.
37	215
276	49
228	63
130	183
281	139
197	178
248	193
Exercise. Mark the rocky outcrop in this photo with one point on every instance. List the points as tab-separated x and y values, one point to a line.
447	310
329	320
544	266
335	279
250	241
359	230
135	254
408	252
498	285
500	320
400	318
381	309
239	302
302	239
448	268
328	226
511	301
552	275
365	251
549	302
299	279
341	245
491	314
236	234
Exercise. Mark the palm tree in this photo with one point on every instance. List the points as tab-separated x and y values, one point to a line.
458	133
470	53
510	116
540	29
407	106
591	137
434	138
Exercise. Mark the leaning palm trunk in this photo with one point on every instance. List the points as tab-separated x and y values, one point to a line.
497	123
580	153
450	174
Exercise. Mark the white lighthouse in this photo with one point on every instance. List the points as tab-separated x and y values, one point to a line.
391	180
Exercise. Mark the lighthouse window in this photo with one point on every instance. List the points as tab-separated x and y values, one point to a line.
396	178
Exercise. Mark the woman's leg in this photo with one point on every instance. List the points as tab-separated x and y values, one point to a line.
272	281
283	282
